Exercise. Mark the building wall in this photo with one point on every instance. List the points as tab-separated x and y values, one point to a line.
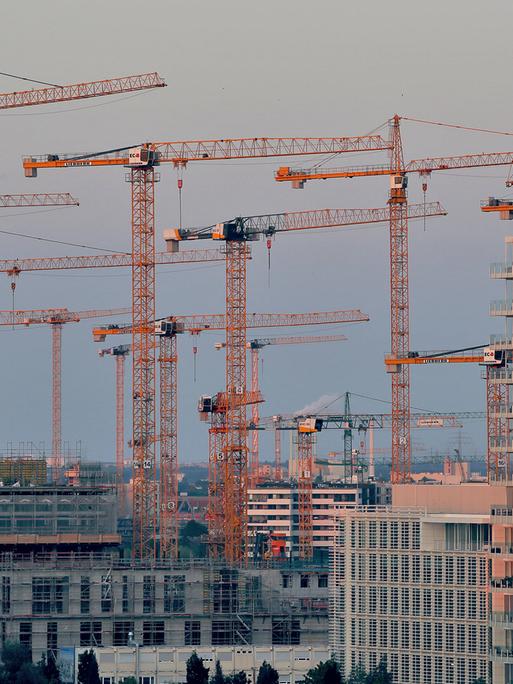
406	590
168	665
89	601
275	509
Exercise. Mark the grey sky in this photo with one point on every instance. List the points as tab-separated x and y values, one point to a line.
250	69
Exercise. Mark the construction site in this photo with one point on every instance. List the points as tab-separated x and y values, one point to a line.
175	481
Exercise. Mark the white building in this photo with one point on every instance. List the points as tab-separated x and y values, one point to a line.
273	509
412	587
168	665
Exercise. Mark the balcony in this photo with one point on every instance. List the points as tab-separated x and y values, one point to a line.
499	342
501	619
504	655
501	270
501	410
499	376
500	549
501	583
501	307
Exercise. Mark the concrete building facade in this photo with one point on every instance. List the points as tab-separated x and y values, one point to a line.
55	600
427	584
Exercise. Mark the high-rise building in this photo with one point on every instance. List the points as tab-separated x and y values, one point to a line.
427	584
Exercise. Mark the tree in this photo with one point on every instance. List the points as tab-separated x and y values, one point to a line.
480	680
357	676
267	674
30	674
128	680
237	678
327	672
49	668
88	668
14	657
380	675
218	677
197	673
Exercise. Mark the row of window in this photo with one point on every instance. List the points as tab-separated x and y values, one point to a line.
448	603
305	581
286	632
416	636
419	568
422	669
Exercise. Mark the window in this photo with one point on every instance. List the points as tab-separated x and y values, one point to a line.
85	595
472	604
394	568
174	593
373	600
322	581
192	633
373	568
394	634
286	581
26	636
415	569
460	571
226	632
427	570
106	593
427	636
415	635
405	601
405	635
394	535
405	535
449	637
148	594
383	534
50	595
438	603
460	638
304	582
415	601
394	600
461	599
91	634
121	630
383	568
51	638
449	603
449	570
405	569
286	632
6	595
438	636
438	570
125	595
153	633
427	603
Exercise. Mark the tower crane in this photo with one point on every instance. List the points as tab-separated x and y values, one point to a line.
141	161
46	199
55	318
236	234
255	346
398	170
120	353
307	427
167	330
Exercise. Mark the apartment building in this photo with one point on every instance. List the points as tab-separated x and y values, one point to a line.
427	584
273	510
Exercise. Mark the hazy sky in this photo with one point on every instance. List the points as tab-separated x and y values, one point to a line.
250	69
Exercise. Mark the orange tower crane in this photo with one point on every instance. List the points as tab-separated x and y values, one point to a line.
255	346
119	353
55	318
237	233
142	160
168	429
397	170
